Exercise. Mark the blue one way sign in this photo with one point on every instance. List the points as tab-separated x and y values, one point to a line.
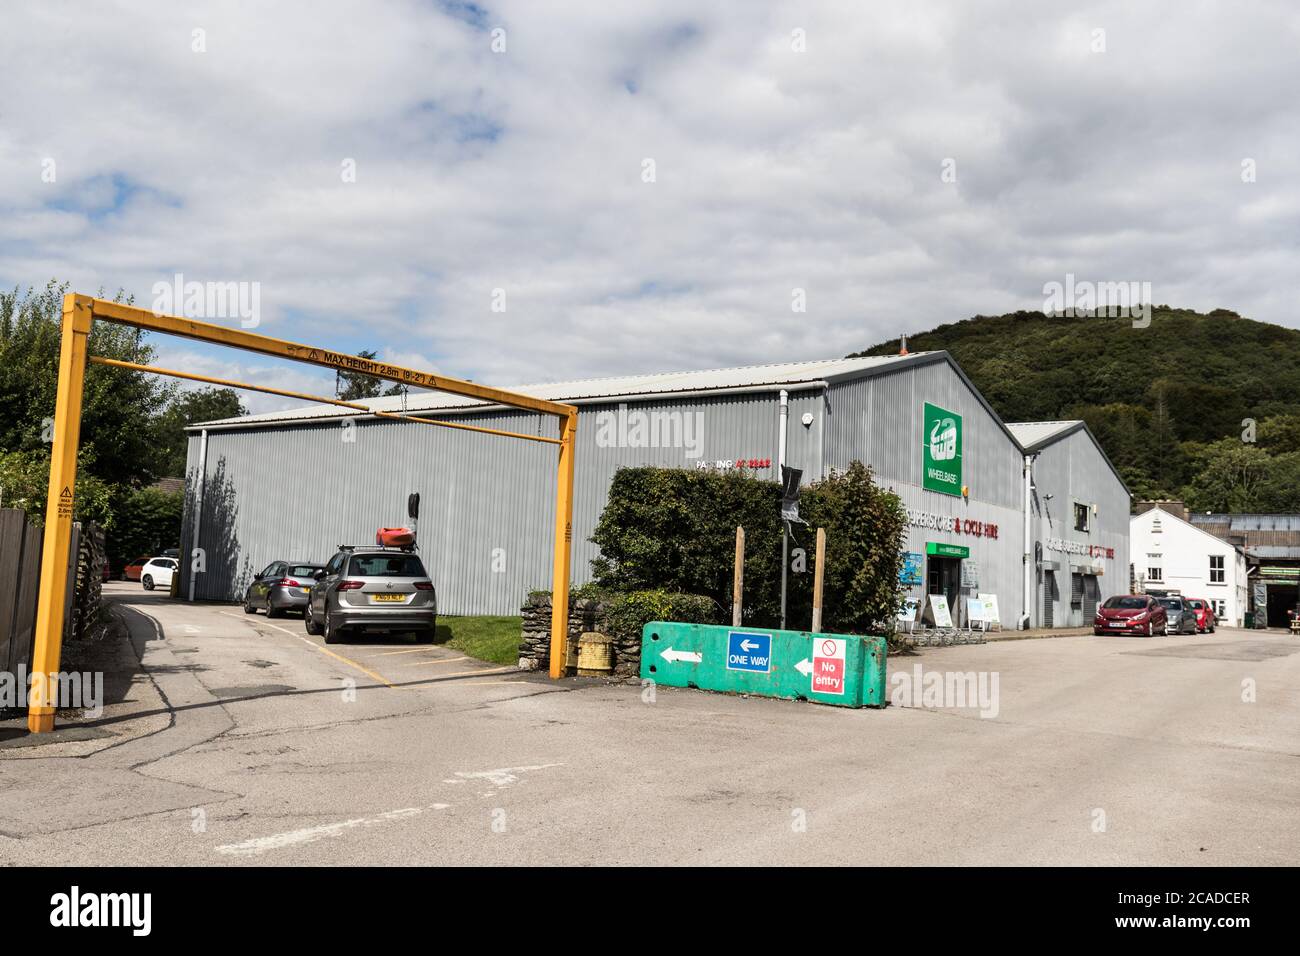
747	651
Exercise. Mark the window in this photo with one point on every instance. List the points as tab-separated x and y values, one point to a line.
1216	568
386	566
1155	574
1220	607
1080	517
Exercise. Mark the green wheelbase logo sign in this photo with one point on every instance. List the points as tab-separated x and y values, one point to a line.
941	441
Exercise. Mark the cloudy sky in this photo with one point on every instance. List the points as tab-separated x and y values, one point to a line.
644	186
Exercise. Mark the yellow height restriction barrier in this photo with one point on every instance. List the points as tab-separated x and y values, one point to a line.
80	313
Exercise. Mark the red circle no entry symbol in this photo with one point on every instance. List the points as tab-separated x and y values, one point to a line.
828	648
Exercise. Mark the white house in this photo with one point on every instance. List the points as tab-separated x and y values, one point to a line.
1171	554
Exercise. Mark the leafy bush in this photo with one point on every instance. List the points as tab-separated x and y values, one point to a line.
672	530
626	614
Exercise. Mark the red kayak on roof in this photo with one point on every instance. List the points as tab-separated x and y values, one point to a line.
395	537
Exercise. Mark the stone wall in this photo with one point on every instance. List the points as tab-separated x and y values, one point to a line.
585	614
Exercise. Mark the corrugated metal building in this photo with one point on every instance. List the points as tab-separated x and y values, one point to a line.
1079	510
295	484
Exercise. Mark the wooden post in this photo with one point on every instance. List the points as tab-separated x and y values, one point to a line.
738	585
818	577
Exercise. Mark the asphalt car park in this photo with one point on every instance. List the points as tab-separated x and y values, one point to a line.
287	750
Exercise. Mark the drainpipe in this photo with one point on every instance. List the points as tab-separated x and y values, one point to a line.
201	480
1027	616
785	532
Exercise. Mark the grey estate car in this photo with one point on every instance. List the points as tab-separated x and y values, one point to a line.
1180	618
372	590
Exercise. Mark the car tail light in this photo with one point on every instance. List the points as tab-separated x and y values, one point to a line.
290	582
424	585
351	585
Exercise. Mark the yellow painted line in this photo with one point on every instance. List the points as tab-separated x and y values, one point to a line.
310	643
409	650
444	660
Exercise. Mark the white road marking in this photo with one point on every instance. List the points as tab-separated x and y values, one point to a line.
443	660
279	841
502	777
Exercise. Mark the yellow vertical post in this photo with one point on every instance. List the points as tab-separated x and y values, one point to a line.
563	546
77	319
738	579
819	577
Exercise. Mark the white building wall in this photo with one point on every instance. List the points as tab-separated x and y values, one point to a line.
1181	552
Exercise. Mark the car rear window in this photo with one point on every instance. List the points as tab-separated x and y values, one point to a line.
386	566
1199	605
1125	602
303	570
1172	603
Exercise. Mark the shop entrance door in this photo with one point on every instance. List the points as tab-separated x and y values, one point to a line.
943	576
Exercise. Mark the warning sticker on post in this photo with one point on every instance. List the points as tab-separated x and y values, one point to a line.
828	665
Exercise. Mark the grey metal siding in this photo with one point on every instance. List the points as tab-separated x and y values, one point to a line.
879	419
487	516
1069	470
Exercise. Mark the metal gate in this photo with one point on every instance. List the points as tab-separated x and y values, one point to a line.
1091	597
1049	598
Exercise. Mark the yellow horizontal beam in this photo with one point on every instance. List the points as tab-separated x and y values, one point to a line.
280	348
304	396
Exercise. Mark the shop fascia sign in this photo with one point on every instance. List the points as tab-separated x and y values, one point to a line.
950	523
1061	546
941	451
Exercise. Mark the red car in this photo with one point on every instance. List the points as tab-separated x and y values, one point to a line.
1205	619
1130	614
133	569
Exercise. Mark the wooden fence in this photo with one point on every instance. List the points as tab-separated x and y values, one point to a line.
20	574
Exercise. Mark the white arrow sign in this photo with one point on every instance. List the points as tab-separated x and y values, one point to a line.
671	655
804	667
747	645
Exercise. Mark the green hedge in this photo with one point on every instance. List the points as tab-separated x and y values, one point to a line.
674	530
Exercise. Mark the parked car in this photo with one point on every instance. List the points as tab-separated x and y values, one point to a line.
157	572
1130	614
282	586
373	590
1181	619
133	568
1205	618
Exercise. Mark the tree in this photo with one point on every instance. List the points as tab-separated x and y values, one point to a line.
117	405
354	386
187	408
1230	476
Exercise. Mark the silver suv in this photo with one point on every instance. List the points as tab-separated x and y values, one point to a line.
372	590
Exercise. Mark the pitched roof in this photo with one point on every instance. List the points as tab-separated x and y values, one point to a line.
626	386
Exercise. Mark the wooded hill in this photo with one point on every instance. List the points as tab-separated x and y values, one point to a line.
1203	407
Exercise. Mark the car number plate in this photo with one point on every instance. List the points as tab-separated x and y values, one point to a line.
1118	624
388	597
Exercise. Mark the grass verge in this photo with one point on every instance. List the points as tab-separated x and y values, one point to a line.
489	638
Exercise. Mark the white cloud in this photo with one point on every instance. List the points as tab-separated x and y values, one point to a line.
522	170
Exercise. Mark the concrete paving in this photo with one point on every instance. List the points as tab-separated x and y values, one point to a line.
244	741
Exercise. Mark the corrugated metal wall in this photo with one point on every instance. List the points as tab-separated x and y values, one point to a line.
1072	470
487	516
880	420
297	491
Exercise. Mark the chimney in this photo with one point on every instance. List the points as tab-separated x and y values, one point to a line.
902	345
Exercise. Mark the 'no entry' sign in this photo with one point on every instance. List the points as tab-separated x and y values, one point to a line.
828	665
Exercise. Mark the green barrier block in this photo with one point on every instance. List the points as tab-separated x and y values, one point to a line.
843	669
